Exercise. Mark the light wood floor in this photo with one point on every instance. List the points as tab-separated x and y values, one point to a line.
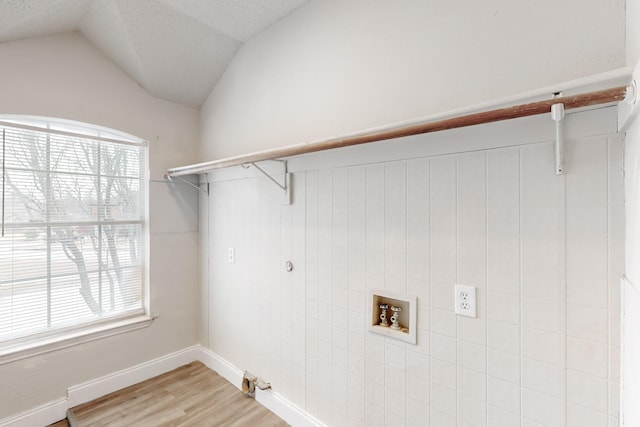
191	395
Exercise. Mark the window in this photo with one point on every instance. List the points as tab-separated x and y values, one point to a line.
72	247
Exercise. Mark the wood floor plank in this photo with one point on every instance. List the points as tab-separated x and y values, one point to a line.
190	396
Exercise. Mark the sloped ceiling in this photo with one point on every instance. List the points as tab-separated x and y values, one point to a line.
176	49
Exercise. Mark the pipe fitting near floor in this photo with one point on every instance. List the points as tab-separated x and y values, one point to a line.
250	382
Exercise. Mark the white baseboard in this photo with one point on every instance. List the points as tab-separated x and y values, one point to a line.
267	398
99	387
56	410
216	363
81	393
41	416
286	410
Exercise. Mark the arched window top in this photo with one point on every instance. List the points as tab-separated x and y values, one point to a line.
69	128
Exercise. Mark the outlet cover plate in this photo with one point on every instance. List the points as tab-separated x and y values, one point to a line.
465	300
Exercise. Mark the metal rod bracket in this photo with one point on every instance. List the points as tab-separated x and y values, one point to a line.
285	186
557	115
198	187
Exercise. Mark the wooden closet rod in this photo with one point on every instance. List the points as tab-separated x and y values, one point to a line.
615	94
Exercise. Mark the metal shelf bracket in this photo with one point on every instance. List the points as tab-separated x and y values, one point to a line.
172	178
557	115
285	186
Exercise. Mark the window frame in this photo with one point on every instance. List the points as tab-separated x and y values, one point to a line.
52	339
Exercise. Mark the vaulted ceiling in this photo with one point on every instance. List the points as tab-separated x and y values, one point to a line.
176	49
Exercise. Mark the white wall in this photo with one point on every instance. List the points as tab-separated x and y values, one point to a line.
633	31
545	252
64	76
337	66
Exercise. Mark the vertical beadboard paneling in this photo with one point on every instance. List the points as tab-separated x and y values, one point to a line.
630	292
443	214
616	241
340	304
311	262
375	392
325	293
472	220
417	372
298	290
395	221
285	354
260	279
246	254
356	380
443	237
588	314
375	226
395	273
503	235
498	219
503	278
272	328
540	223
472	241
587	234
418	232
471	270
541	247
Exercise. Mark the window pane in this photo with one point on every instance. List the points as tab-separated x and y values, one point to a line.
74	298
74	155
120	289
23	255
122	266
74	249
121	160
23	308
121	199
25	150
23	283
24	199
73	198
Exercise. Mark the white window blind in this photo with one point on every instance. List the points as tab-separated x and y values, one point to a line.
72	244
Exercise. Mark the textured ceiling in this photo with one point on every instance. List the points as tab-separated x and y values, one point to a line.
175	49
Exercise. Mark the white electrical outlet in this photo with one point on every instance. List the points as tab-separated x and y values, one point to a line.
231	256
465	300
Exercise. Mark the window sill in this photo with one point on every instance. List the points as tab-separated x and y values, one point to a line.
68	339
